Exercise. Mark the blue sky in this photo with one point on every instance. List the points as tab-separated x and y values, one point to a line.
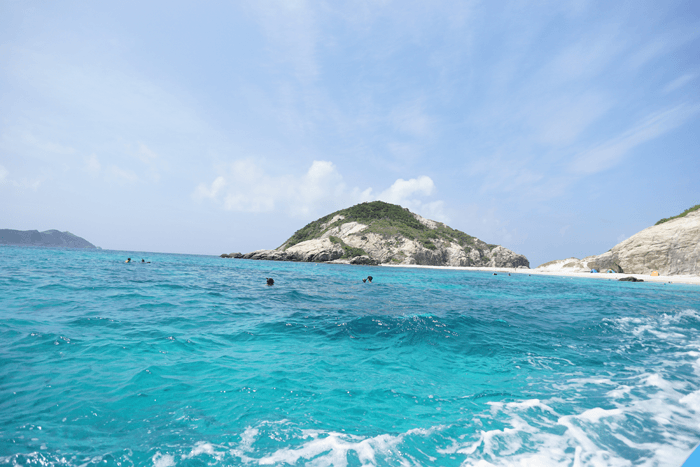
556	129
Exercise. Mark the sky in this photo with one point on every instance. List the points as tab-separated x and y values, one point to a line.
555	129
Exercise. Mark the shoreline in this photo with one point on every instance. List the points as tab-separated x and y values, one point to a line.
689	280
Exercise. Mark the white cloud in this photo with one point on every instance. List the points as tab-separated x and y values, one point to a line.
245	186
407	192
612	152
402	190
210	191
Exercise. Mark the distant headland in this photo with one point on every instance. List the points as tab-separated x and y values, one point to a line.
48	238
668	248
382	233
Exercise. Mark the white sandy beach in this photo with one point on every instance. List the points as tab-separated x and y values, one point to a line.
693	280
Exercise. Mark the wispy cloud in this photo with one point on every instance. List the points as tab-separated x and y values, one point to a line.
3	175
45	146
122	175
291	28
679	82
612	152
92	165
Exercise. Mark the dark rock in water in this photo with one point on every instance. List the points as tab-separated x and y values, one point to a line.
232	255
47	238
364	260
631	279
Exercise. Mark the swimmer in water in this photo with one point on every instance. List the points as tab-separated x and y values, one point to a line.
128	260
270	281
369	278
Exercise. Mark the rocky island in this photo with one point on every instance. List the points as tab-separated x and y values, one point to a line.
46	238
670	247
382	233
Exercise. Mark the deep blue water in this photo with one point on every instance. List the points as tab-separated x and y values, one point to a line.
193	360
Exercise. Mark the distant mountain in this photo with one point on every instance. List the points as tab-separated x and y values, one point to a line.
47	238
671	247
383	233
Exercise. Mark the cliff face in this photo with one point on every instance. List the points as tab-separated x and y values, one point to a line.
47	238
671	247
382	233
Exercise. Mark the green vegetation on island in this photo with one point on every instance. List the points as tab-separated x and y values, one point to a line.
683	214
385	219
349	251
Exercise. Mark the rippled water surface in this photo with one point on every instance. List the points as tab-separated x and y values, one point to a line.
193	360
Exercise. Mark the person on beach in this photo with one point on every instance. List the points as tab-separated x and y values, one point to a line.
270	281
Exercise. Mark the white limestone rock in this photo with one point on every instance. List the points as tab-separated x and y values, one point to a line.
338	241
671	248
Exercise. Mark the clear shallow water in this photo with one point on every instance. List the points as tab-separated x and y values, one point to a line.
193	360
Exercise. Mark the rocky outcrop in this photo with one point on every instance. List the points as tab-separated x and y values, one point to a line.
381	233
52	238
232	255
671	248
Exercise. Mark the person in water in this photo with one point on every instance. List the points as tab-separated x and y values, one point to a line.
128	260
270	281
369	278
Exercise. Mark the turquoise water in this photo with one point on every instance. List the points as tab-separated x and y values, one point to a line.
193	360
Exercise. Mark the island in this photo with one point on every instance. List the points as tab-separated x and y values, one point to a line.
375	233
52	238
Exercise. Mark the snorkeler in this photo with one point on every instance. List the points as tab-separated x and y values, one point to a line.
270	281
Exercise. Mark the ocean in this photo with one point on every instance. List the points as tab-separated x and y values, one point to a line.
193	360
